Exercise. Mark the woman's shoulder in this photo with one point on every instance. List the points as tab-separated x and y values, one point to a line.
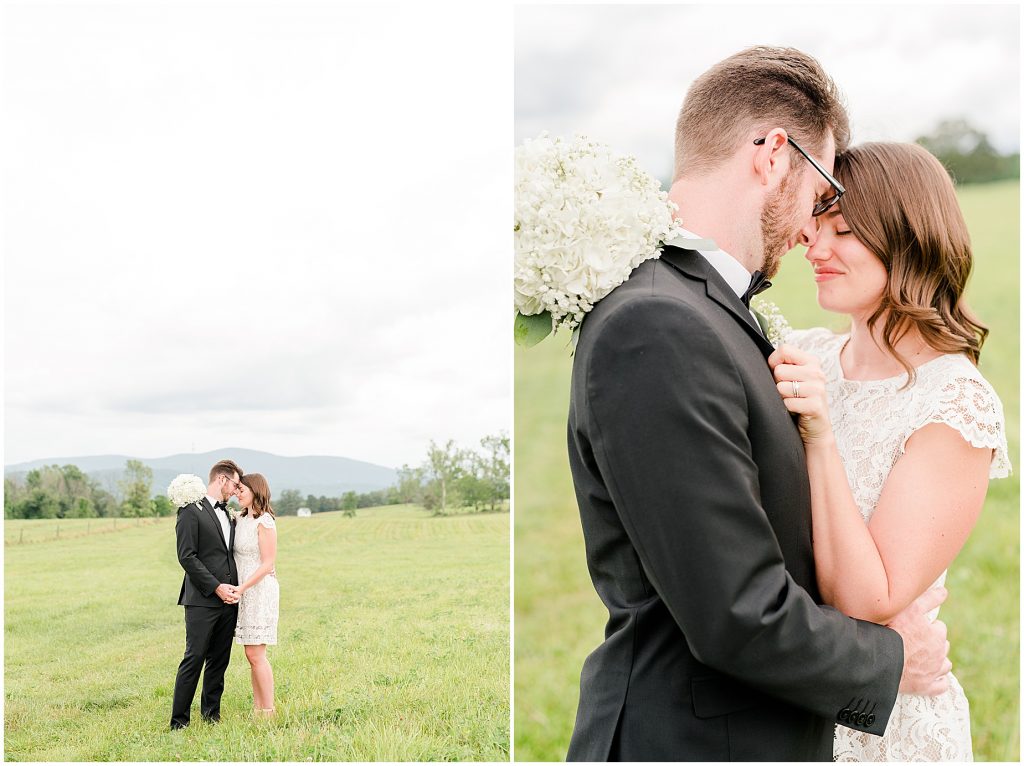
266	520
815	340
955	376
954	392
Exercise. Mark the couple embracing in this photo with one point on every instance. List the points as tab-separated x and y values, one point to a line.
705	459
229	590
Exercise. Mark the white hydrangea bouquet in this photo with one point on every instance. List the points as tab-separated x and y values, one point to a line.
185	489
585	217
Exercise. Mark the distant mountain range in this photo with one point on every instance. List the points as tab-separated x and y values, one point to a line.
312	475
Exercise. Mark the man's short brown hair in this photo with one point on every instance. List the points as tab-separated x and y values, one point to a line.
227	467
759	89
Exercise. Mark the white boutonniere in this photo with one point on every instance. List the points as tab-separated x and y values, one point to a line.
774	323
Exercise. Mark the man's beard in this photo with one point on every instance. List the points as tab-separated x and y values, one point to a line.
777	225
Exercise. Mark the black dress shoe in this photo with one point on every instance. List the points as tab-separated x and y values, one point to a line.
175	725
211	720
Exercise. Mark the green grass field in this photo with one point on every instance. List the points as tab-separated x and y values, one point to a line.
394	643
559	619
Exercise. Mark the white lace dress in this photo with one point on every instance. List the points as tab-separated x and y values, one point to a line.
872	421
257	610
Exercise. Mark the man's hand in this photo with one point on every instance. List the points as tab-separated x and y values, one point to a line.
926	665
227	593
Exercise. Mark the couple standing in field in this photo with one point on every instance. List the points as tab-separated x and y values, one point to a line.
704	458
229	590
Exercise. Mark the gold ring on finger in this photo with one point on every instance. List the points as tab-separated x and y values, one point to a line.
796	387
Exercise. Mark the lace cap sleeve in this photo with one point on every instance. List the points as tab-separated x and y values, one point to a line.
965	401
266	520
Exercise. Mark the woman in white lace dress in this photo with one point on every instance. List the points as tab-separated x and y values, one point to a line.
255	552
902	432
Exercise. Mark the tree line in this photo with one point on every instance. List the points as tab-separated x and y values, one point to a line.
65	492
453	479
968	154
449	479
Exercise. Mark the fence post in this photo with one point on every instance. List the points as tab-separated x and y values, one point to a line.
21	537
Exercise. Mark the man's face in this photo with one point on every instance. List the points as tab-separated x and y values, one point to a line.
786	217
229	486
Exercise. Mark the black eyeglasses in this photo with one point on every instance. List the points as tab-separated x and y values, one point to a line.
821	205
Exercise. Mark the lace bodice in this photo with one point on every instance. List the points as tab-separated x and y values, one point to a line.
247	543
258	608
872	421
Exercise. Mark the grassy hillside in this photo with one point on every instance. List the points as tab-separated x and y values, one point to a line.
394	639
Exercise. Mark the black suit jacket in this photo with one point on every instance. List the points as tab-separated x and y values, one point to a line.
693	494
204	556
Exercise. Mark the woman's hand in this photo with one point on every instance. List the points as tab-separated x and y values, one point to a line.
801	384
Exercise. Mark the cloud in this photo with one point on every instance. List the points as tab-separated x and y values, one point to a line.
284	229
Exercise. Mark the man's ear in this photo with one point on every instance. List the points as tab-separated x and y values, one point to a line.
770	160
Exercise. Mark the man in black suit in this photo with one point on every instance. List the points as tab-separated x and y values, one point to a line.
690	473
206	536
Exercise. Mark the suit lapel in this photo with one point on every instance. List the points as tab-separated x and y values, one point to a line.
216	523
693	265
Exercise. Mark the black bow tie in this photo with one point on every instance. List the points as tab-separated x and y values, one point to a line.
758	284
222	505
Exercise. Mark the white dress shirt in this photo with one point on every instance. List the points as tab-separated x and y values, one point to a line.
222	517
732	271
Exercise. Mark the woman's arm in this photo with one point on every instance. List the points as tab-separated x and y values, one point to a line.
928	505
268	552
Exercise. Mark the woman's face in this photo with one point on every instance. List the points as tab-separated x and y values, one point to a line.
245	496
850	278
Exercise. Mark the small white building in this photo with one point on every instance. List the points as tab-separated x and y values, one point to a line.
304	512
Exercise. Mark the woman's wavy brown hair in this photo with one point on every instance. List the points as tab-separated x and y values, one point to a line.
901	205
260	495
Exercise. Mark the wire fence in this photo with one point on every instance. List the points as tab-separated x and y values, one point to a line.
24	532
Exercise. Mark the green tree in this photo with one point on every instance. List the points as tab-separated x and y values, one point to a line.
288	503
14	491
968	154
37	504
495	467
82	509
75	483
430	496
444	463
50	480
162	506
135	489
472	490
104	502
410	485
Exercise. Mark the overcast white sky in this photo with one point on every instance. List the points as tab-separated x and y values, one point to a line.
619	73
279	226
